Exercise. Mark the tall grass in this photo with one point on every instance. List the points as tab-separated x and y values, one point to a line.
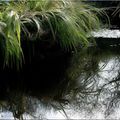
67	23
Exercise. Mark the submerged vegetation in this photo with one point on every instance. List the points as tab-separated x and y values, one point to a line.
63	23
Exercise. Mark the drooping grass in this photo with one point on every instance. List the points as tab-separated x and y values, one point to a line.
67	22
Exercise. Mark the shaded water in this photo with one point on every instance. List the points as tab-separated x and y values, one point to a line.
89	88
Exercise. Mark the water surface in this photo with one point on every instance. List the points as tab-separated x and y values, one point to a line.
89	88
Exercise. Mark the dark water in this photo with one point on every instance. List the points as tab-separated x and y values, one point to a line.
84	85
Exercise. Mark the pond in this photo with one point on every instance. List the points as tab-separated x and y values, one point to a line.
88	89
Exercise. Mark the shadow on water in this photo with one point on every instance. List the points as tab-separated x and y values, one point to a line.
87	82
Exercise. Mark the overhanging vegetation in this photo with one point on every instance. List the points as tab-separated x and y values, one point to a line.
65	22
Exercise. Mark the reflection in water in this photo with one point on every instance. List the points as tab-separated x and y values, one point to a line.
98	85
90	89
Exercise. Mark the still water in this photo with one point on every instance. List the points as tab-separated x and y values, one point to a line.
90	88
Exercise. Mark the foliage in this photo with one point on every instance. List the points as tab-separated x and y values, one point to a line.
64	22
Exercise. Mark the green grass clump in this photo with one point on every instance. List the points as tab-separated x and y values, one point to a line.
67	21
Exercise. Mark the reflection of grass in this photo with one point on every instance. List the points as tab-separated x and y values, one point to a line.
80	91
14	103
87	60
83	88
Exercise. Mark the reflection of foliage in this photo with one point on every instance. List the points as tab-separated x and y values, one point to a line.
112	89
87	90
92	89
20	106
15	103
